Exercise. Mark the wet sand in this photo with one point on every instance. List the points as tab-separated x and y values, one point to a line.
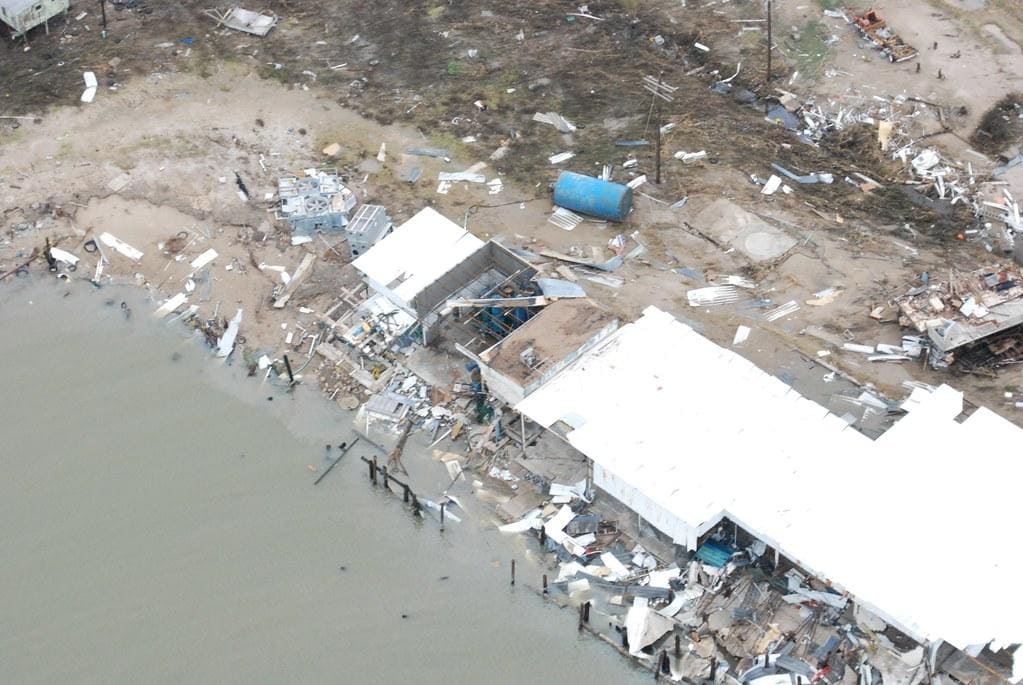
161	525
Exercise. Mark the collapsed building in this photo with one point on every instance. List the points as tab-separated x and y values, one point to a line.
973	320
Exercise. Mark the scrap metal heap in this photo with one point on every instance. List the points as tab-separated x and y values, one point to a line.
318	201
926	174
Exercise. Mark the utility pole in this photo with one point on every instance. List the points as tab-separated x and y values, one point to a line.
657	123
103	11
770	40
659	91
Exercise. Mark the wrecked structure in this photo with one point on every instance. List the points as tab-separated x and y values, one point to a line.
246	21
971	319
24	15
318	201
655	409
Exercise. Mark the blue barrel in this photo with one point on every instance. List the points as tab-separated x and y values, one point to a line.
593	196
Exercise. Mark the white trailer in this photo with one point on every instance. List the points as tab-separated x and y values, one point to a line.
24	15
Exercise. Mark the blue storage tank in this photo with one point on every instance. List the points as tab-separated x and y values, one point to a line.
593	196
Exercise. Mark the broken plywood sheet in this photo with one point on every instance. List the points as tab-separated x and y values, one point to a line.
731	225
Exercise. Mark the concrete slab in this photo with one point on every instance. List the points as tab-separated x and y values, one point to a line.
733	226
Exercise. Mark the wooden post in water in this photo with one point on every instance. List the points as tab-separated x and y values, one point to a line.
373	471
386	482
442	505
678	646
513	572
287	365
404	496
584	614
545	583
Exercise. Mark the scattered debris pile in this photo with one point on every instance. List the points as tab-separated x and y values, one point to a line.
875	29
972	319
733	612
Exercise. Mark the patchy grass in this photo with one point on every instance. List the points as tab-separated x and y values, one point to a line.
810	49
9	135
830	4
630	6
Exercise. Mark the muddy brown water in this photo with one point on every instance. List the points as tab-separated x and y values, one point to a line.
160	524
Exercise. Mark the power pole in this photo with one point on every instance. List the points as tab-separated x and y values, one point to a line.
770	40
657	123
659	91
103	11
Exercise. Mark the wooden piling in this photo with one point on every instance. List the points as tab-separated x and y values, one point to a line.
387	484
584	615
442	506
545	583
678	646
287	365
404	495
373	471
513	571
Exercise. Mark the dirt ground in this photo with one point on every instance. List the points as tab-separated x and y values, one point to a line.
184	105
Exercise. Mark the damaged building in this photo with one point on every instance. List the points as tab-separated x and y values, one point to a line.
517	365
690	437
427	267
21	16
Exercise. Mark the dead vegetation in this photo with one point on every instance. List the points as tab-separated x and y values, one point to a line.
455	70
1001	127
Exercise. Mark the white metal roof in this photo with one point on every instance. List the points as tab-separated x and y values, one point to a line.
921	525
417	253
